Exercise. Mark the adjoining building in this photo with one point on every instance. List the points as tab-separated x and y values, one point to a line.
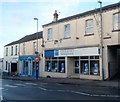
28	49
11	57
19	55
72	45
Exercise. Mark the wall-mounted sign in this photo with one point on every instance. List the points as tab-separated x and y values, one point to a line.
77	52
92	51
66	52
37	59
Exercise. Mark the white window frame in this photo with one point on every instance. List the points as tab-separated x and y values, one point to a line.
6	51
89	29
67	31
16	49
50	34
24	49
11	50
34	46
116	21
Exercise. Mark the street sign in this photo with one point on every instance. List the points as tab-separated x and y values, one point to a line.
37	59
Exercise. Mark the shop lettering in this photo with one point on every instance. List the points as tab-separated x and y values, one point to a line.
67	52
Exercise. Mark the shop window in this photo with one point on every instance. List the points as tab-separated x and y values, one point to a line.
77	67
92	57
33	67
25	66
84	67
55	64
96	57
87	65
94	67
48	66
84	57
62	66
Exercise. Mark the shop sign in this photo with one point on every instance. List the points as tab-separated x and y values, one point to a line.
36	59
77	52
69	52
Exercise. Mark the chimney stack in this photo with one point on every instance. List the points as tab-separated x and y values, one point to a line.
55	15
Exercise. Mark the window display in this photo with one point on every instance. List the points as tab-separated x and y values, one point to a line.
62	67
89	65
55	64
86	69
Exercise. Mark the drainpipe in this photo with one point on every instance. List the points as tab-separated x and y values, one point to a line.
101	39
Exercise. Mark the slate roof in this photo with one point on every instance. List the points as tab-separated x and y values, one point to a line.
108	7
27	38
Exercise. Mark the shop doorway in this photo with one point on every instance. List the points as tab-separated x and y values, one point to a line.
13	68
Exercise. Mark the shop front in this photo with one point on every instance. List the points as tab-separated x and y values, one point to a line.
79	62
28	65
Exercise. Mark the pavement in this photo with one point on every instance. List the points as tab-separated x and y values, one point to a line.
72	81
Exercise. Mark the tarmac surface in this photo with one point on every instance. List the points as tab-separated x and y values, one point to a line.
83	82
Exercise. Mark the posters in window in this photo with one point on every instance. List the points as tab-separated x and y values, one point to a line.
49	66
56	67
86	68
95	68
62	67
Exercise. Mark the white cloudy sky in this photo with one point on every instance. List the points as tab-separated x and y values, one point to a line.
16	18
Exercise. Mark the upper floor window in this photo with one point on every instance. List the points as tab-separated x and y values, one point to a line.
34	46
16	49
11	50
23	48
89	27
6	51
67	31
116	21
50	34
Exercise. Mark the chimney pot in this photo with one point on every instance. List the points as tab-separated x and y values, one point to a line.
55	16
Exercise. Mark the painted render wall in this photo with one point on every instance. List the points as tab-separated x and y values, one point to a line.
29	51
77	29
9	58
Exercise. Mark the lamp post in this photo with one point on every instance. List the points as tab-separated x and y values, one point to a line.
101	39
37	63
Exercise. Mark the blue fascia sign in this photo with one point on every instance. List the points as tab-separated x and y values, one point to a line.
28	57
51	53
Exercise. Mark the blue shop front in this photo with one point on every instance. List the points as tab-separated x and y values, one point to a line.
28	65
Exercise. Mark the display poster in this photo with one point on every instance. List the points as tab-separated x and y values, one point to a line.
56	66
95	68
49	66
86	68
62	67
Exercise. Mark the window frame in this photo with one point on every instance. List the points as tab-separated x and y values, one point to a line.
118	21
50	34
34	46
23	48
11	50
16	49
6	51
89	27
67	33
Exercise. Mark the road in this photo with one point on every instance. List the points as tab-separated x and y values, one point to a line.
33	90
